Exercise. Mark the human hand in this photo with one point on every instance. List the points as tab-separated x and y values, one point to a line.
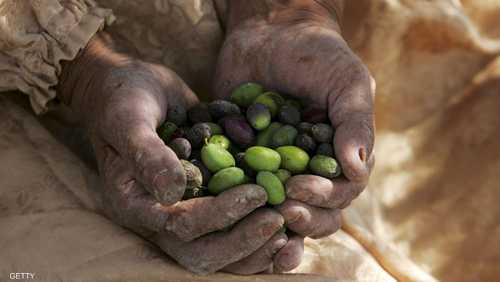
297	49
121	101
189	231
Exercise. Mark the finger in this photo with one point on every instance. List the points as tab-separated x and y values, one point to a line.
134	207
133	112
215	251
322	192
351	113
156	166
290	256
196	217
124	199
131	129
261	260
310	221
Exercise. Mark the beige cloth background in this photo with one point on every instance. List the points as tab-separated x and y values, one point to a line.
35	35
431	207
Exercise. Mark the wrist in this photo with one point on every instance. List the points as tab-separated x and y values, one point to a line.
241	13
83	76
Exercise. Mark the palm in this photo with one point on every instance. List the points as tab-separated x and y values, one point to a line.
312	62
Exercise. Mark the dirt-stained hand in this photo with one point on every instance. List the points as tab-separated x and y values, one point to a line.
121	101
296	48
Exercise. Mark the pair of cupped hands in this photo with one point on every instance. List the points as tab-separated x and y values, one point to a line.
122	101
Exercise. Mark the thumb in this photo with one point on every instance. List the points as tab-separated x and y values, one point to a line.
351	113
130	128
155	165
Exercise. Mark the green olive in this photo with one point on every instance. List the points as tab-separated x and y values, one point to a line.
245	94
293	159
216	158
220	140
226	179
273	186
261	158
325	166
283	175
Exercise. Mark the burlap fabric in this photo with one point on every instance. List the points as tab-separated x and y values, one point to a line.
431	207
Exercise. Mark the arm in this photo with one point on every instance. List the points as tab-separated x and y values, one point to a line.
35	38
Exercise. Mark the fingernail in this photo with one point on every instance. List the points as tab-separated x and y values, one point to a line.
294	217
268	229
362	154
168	186
279	245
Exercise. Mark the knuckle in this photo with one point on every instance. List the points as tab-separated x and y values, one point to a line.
331	225
340	197
353	191
358	189
313	226
277	244
335	223
309	230
182	224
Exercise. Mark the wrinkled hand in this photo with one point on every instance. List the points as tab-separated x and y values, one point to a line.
121	102
305	56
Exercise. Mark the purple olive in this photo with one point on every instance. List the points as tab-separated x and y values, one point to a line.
239	131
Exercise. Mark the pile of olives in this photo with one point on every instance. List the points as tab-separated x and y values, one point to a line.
254	137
